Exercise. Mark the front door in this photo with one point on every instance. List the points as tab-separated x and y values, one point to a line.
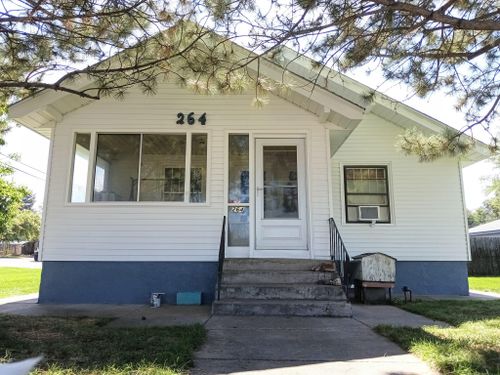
281	214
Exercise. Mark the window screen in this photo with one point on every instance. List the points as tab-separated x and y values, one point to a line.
366	186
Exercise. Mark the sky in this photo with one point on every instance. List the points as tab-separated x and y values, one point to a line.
33	150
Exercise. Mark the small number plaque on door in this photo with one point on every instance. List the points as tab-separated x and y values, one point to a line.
191	118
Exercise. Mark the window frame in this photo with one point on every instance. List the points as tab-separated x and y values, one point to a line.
387	194
89	202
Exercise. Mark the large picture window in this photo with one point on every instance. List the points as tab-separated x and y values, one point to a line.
117	167
143	167
366	187
163	165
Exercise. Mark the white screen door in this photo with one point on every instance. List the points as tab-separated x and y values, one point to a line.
281	217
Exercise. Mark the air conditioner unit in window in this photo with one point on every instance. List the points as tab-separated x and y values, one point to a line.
369	213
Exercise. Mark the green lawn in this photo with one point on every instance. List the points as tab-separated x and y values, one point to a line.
18	281
86	346
486	284
470	346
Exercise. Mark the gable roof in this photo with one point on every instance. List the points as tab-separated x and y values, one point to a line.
335	98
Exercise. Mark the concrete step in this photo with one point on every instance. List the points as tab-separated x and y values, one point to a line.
282	291
282	308
273	277
256	264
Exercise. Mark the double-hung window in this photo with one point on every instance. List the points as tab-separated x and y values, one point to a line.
145	167
366	187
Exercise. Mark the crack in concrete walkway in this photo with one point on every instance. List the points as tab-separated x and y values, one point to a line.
293	345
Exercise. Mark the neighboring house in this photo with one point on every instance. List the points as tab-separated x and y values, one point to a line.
135	200
491	229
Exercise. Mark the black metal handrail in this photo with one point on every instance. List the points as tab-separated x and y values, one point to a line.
222	256
338	253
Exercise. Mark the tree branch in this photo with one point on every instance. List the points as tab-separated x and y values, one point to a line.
41	85
457	23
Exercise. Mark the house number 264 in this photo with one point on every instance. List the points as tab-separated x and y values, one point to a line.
190	118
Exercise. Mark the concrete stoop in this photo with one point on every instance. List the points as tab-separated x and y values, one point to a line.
282	307
279	287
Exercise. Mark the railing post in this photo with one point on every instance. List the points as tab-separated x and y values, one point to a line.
338	252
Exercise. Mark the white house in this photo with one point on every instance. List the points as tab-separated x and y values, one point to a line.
136	197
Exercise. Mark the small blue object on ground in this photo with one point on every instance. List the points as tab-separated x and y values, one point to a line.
189	298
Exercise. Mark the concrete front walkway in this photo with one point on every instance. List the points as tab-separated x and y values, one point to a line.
269	345
280	345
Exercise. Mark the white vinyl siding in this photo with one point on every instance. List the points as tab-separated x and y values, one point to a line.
427	216
171	231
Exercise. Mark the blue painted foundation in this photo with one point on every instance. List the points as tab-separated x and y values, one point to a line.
432	278
133	282
125	282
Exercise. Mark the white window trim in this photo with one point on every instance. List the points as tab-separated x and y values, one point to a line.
91	174
392	202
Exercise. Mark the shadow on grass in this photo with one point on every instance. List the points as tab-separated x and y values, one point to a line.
87	345
470	346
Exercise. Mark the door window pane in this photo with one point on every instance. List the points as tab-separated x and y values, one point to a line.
198	183
117	164
238	169
81	158
163	165
280	182
238	232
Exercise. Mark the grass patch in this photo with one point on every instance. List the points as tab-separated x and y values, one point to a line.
72	346
470	346
18	281
456	312
485	284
